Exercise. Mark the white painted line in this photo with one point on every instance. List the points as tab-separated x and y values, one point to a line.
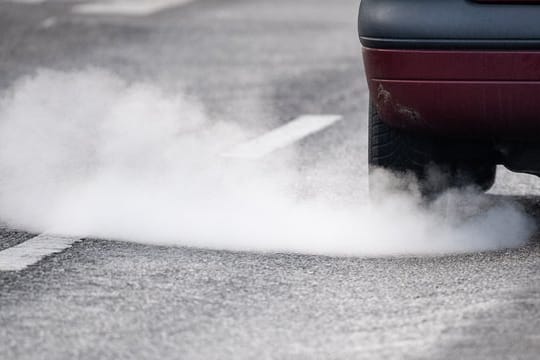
128	7
283	136
31	251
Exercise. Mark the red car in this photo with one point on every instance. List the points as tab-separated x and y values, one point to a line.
455	84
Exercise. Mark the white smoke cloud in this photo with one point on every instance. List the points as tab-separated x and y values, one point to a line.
90	155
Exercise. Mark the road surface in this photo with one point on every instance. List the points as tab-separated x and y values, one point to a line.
104	299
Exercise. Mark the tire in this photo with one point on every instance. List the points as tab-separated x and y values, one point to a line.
425	157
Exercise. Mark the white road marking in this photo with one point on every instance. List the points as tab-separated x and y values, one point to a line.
127	7
283	136
31	251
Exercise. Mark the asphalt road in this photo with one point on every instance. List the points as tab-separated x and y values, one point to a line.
106	299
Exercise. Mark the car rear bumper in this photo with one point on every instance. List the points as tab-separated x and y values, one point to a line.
448	24
457	93
454	67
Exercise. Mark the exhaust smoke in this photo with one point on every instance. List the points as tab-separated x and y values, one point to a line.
89	155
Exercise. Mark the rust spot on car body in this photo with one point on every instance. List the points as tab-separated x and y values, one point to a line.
388	108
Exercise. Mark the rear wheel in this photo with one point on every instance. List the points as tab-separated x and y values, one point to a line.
432	162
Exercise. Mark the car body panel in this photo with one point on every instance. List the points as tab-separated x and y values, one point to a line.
463	91
471	109
452	65
466	94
